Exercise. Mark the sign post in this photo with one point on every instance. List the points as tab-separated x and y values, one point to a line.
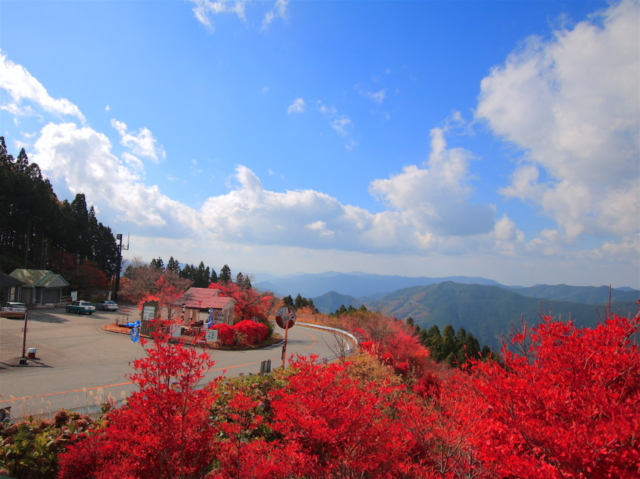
23	358
286	318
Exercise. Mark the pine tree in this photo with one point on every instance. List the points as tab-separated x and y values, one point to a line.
157	263
225	275
173	265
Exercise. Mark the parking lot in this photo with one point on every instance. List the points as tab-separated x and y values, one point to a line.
78	365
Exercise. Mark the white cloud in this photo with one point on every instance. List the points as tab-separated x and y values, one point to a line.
21	86
82	159
573	105
341	125
279	10
107	108
326	110
435	198
377	96
141	143
205	9
298	106
429	209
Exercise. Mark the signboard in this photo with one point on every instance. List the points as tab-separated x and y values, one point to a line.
285	317
148	313
175	330
212	335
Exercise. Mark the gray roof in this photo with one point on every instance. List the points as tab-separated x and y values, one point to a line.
40	278
7	281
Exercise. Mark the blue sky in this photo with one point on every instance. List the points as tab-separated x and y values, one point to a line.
423	138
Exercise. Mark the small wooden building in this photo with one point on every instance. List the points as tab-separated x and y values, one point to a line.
9	288
40	286
199	301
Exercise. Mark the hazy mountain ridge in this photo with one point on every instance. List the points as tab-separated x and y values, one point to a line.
354	284
577	294
482	306
487	311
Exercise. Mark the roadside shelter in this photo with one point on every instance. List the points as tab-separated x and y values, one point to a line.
9	288
40	287
199	301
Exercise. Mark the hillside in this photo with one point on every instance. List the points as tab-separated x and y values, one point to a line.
354	284
577	294
487	311
331	301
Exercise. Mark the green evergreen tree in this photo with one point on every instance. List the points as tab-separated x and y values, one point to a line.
173	265
225	275
214	276
157	263
201	276
300	302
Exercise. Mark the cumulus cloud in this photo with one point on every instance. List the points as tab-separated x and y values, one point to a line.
22	86
252	215
435	198
204	10
428	209
572	104
279	10
298	106
82	158
141	143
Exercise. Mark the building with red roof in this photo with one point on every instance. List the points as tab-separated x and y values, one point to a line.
197	303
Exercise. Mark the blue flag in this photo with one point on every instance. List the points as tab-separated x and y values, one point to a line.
135	332
210	320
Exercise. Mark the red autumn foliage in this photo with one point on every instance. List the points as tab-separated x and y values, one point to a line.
249	304
244	333
226	335
162	432
568	406
331	426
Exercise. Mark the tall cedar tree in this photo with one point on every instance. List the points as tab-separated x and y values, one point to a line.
36	228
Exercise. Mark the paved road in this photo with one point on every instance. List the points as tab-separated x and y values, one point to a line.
79	365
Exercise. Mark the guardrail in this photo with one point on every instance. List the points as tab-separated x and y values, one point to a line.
342	332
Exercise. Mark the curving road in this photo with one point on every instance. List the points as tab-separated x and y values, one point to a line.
78	365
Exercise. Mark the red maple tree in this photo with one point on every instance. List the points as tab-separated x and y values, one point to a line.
162	432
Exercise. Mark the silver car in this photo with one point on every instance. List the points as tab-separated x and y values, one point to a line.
106	306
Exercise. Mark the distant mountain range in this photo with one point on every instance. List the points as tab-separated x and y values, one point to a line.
354	284
482	306
487	311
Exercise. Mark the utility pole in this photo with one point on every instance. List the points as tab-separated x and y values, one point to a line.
119	265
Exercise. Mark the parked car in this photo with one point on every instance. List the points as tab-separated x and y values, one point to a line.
13	310
106	306
81	307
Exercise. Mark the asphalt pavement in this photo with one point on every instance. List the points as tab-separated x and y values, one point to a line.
78	365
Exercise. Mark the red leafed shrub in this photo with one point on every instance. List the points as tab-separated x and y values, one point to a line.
252	332
162	432
567	406
338	427
244	333
226	335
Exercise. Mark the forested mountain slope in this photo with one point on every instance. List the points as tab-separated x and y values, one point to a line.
488	311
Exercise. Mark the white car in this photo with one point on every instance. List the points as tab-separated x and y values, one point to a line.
106	306
80	307
13	310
